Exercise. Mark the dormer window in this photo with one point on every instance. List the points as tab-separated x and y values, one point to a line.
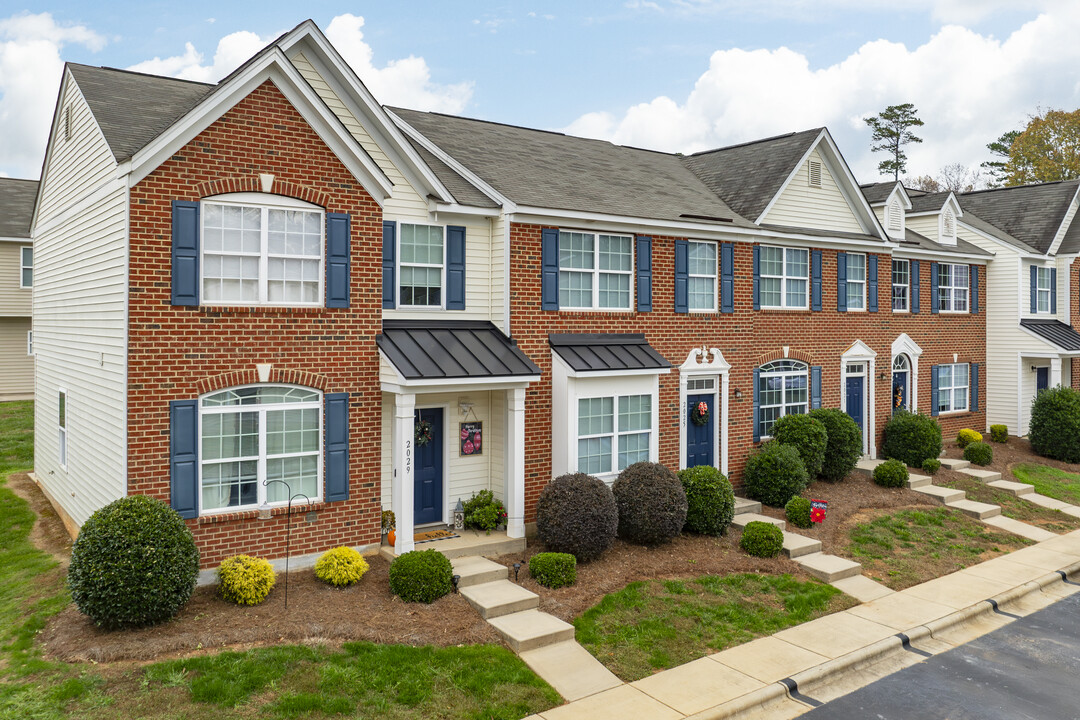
814	167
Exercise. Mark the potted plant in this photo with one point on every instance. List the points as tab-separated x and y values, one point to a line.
389	527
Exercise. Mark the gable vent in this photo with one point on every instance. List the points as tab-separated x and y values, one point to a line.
815	173
67	123
948	224
895	216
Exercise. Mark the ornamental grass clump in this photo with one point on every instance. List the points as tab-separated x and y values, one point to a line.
979	453
844	443
1054	430
967	436
710	500
421	576
341	566
762	539
797	512
553	570
651	502
245	580
806	434
576	514
911	438
891	474
774	474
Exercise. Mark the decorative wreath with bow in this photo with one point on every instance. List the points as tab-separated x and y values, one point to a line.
422	433
700	414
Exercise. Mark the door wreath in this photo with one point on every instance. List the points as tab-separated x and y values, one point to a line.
422	433
700	414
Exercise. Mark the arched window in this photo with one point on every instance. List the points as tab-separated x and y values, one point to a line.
257	434
783	389
901	383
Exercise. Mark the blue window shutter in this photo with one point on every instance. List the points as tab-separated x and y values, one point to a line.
815	387
871	285
727	277
184	457
1053	290
1034	290
974	289
549	271
915	285
644	273
755	393
757	293
841	282
455	267
815	280
389	264
682	274
934	390
935	303
336	427
185	253
337	260
974	387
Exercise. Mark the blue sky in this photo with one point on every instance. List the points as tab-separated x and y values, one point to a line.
678	75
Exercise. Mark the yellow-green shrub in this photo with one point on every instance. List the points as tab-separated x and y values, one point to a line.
965	437
245	580
340	566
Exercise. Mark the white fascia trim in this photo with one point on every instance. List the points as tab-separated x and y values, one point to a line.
1063	228
21	241
456	209
415	387
859	350
790	177
614	373
944	256
1026	254
904	344
274	66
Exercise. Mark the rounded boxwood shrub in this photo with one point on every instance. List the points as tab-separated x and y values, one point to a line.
134	563
245	580
553	570
999	433
891	474
844	443
340	566
931	465
979	453
762	539
710	500
911	438
966	436
798	512
421	576
1055	424
576	514
774	474
651	502
806	434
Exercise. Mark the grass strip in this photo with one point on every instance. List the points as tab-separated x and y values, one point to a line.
1050	481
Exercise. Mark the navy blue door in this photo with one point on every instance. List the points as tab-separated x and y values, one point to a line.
1042	378
855	401
428	473
899	391
699	438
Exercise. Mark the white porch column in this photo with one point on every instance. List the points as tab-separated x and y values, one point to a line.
403	460
515	463
1055	372
724	400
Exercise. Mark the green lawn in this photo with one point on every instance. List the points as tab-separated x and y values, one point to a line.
1014	507
654	625
360	680
1051	482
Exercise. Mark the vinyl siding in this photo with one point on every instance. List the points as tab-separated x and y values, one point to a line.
16	367
1025	289
928	226
801	205
14	300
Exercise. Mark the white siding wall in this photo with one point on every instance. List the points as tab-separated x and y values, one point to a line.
927	225
14	299
16	367
1024	298
825	207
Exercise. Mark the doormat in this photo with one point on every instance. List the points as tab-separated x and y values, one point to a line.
433	535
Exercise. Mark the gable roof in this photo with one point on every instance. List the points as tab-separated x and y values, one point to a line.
1031	214
17	199
879	192
913	240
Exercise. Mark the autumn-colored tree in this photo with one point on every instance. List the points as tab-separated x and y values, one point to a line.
892	131
1048	149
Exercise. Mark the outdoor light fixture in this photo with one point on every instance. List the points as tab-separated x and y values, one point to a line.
738	394
459	516
456	579
517	567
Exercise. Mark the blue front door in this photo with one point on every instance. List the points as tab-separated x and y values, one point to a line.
1042	378
855	401
699	438
899	391
428	474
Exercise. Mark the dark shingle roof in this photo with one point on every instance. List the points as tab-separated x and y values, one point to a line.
17	199
928	202
1070	244
1030	213
748	176
552	170
437	350
877	192
1055	332
462	190
913	240
591	352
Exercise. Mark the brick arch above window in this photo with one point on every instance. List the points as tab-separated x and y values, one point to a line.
251	377
251	183
792	354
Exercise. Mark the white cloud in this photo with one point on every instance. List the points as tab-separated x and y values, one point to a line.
946	11
968	88
30	73
232	51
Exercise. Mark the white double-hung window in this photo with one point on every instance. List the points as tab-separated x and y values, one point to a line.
26	267
784	277
595	270
901	285
252	436
258	250
423	265
953	387
614	432
701	276
1043	281
856	282
953	285
783	389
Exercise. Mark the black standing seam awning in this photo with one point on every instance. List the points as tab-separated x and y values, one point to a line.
590	352
447	350
1054	332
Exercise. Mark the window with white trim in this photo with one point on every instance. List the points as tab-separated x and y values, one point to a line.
252	436
29	342
783	389
901	285
952	387
701	279
261	252
856	282
61	418
784	277
953	285
1042	289
610	441
26	267
423	265
595	270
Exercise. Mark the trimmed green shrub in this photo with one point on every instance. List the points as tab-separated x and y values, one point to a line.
999	433
710	500
844	443
798	512
911	438
651	502
553	570
1054	430
979	453
967	436
931	465
341	566
421	576
576	514
762	539
806	434
774	474
484	512
245	580
891	474
134	563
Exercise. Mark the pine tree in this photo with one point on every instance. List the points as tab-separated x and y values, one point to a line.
892	131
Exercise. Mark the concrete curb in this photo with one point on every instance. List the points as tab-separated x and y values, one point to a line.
758	699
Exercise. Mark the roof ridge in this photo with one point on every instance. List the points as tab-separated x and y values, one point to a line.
757	142
1019	187
136	72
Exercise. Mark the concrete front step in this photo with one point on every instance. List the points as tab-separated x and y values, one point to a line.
866	466
828	568
475	570
799	545
499	598
1023	529
531	629
570	669
1017	489
984	475
1048	502
862	588
746	505
742	519
954	463
943	495
977	510
918	481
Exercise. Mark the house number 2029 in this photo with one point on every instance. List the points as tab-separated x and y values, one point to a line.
408	456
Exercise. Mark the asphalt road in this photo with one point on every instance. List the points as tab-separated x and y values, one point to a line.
1029	669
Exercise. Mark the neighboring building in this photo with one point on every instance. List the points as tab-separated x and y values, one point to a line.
16	289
